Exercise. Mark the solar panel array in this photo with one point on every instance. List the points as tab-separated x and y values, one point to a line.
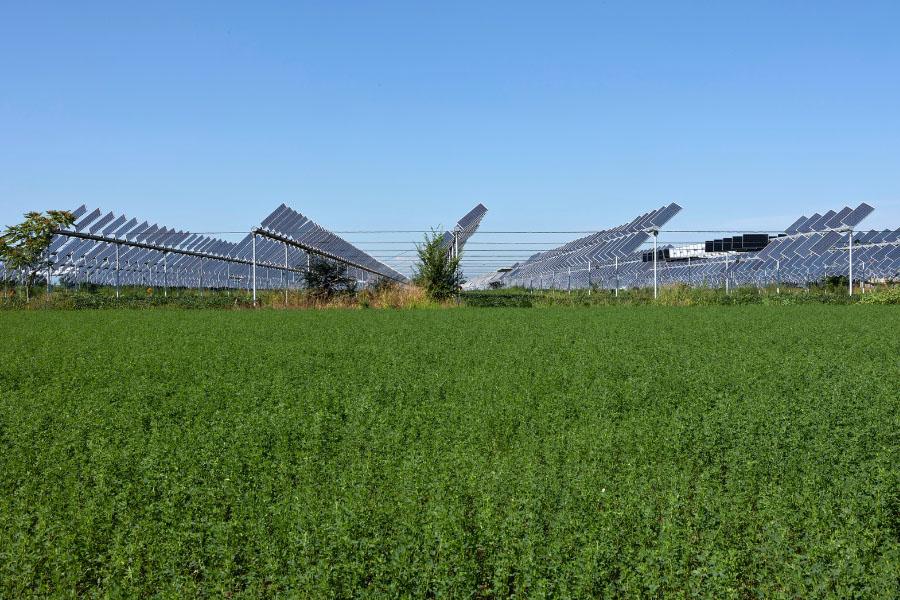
808	251
574	264
464	229
106	249
811	248
286	224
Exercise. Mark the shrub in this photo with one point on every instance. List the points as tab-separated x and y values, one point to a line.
326	278
437	272
890	295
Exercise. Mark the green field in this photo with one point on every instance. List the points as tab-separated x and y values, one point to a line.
714	451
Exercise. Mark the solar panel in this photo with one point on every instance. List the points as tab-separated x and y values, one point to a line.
592	251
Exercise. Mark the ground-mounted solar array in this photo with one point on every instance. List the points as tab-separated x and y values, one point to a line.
573	264
456	239
810	249
110	249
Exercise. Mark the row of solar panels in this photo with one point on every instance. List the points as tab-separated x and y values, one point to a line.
287	223
811	248
603	246
104	248
456	239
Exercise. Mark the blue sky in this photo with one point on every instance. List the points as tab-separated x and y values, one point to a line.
403	115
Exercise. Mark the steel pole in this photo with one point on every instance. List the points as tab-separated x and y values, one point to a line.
850	258
456	257
117	270
254	270
589	277
284	274
778	277
726	274
655	233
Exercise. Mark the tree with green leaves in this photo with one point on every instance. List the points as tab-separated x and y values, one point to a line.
23	247
326	278
437	272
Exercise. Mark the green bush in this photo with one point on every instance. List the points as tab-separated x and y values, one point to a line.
889	295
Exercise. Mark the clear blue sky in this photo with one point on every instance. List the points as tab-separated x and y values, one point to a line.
404	115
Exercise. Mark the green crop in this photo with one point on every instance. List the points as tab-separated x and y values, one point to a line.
723	452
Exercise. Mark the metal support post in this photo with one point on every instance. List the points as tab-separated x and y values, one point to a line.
456	256
727	290
117	269
283	274
617	277
655	233
850	258
778	277
253	277
589	277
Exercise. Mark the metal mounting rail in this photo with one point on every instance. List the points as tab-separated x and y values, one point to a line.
169	250
313	250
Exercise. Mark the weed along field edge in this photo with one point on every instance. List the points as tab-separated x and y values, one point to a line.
640	451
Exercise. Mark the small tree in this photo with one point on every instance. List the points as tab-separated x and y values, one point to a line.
436	271
23	247
327	278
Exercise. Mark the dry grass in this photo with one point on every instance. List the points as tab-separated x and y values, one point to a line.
398	297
